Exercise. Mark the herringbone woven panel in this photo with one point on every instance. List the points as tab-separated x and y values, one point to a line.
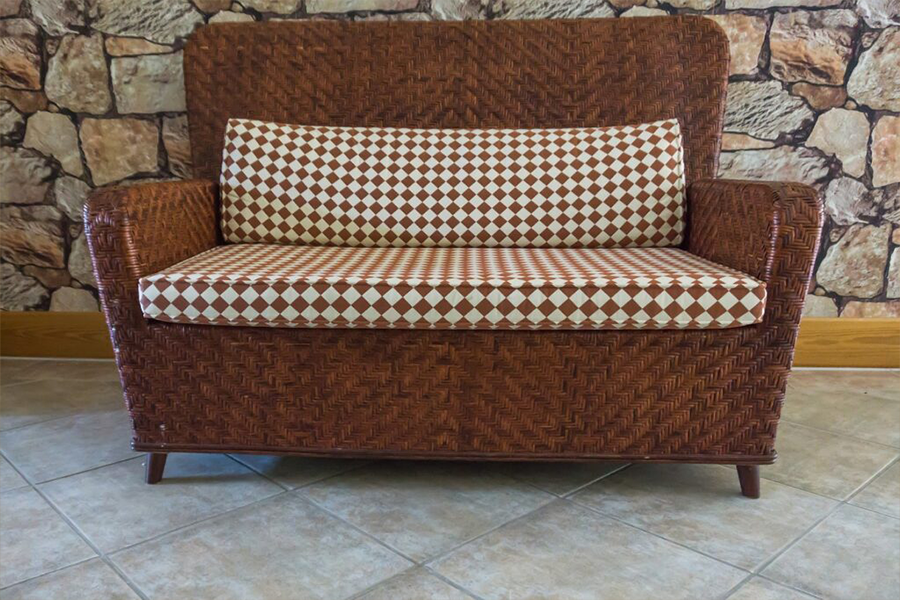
504	74
709	396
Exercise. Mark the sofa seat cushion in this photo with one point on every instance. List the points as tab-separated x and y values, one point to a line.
452	288
378	186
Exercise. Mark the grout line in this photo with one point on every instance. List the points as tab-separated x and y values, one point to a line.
422	563
840	503
258	472
308	483
363	592
790	587
656	535
25	481
450	582
313	503
50	572
80	533
567	493
740	584
42	422
757	570
98	410
798	488
430	561
88	470
571	493
180	528
877	474
765	564
839	434
869	510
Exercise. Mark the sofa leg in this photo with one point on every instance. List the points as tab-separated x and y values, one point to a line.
156	464
749	477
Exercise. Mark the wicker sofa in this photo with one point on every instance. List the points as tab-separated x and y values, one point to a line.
673	395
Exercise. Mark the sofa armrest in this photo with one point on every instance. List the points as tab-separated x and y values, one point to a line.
135	231
766	229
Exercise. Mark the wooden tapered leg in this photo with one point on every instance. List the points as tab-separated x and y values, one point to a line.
156	464
749	477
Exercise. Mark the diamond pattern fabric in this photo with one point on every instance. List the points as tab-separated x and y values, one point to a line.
452	288
381	187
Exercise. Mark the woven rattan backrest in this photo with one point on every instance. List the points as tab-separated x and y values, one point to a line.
521	74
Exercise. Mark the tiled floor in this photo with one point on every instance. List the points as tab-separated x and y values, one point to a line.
76	520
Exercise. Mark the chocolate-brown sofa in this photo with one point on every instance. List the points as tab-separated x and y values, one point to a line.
703	396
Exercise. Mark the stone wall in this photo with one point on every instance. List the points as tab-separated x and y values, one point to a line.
91	94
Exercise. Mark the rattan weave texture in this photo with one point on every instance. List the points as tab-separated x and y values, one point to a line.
505	74
707	396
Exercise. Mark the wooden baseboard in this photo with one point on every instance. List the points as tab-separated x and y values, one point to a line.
822	343
848	343
54	334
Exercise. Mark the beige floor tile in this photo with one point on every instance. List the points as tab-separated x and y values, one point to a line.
15	370
115	508
68	445
34	539
882	494
566	551
852	554
882	383
9	478
91	580
280	548
67	370
416	584
558	478
294	472
37	401
825	463
424	508
701	507
862	404
763	589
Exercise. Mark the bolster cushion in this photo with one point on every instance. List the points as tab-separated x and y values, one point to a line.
381	187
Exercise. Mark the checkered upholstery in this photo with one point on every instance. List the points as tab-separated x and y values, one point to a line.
452	288
380	187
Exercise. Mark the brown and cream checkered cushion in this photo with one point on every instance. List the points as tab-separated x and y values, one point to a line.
381	187
452	288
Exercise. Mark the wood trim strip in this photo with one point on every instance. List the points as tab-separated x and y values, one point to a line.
54	334
836	342
822	343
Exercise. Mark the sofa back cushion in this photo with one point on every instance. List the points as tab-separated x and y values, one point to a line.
377	187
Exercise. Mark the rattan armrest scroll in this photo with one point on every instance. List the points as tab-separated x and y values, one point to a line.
770	230
136	231
737	223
